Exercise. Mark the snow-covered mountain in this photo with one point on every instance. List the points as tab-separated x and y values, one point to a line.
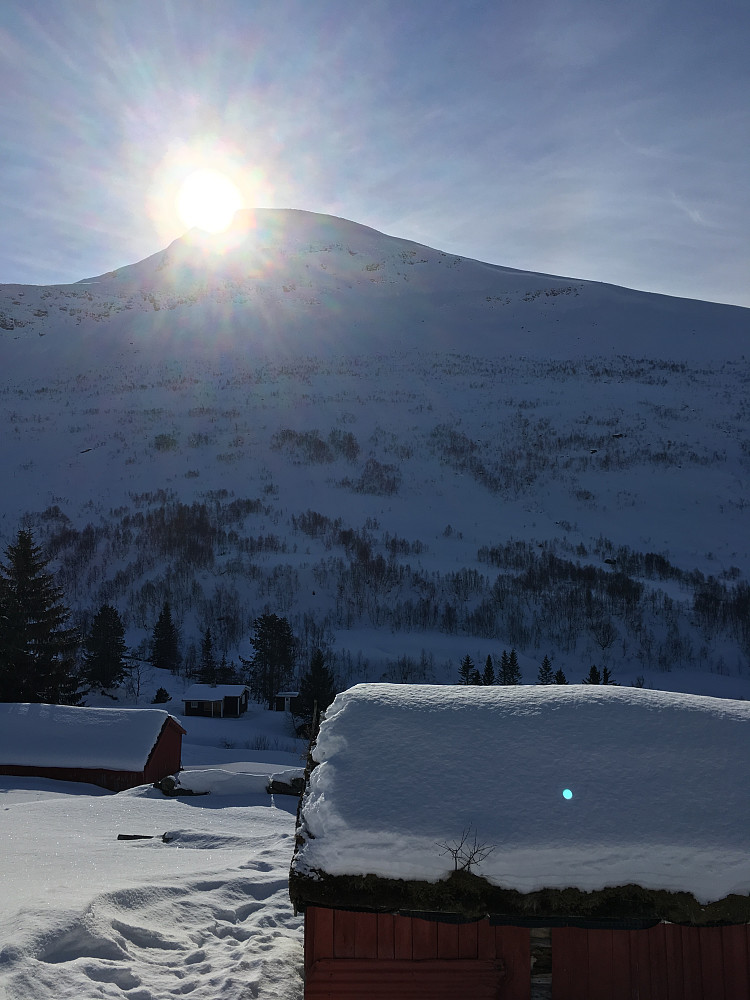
412	455
285	282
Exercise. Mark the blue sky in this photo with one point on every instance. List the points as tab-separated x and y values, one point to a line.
603	141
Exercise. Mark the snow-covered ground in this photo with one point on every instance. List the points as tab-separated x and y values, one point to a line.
200	906
201	909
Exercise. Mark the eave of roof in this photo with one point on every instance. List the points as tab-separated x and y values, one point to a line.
464	896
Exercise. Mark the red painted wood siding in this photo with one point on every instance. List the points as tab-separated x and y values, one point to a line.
166	756
666	962
115	781
384	955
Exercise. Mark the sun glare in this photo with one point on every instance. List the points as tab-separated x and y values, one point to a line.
199	185
208	199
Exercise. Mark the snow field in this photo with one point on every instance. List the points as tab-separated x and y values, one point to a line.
201	909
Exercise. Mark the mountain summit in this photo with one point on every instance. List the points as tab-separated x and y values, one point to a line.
289	283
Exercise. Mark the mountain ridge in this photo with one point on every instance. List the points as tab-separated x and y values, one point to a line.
279	276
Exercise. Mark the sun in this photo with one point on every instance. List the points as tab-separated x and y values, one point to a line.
208	199
200	184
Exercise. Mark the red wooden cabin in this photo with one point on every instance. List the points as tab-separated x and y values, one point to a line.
112	748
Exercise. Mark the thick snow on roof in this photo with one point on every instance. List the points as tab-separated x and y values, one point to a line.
579	786
213	692
63	736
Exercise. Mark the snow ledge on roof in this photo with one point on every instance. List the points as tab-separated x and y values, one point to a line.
657	782
65	736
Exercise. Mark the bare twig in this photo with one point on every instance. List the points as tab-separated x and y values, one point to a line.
466	851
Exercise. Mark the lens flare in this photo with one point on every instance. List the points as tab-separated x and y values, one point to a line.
567	794
201	184
208	199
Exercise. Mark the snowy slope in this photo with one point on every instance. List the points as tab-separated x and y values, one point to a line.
650	799
327	396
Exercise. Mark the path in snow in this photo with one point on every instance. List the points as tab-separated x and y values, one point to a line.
206	915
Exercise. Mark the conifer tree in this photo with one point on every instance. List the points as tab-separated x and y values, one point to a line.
504	668
488	676
466	670
207	670
545	675
272	665
37	648
165	648
226	672
317	690
593	676
514	676
510	671
104	649
560	677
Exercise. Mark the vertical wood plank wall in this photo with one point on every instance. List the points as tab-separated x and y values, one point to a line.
666	962
341	934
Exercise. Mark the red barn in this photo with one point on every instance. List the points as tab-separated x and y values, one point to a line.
573	843
113	748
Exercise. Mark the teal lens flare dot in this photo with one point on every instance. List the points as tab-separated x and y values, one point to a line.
567	794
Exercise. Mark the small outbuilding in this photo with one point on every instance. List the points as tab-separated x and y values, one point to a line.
110	747
217	701
287	701
573	843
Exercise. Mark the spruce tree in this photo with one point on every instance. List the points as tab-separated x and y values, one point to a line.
593	676
37	648
514	675
510	671
545	675
607	677
560	677
317	689
104	649
272	665
466	670
207	669
504	668
488	676
226	672
165	648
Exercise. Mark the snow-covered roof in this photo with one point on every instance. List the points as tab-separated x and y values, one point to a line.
572	786
114	739
213	692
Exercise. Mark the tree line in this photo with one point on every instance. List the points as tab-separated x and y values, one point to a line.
508	672
44	658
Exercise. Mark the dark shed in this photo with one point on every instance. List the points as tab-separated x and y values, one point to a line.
223	701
